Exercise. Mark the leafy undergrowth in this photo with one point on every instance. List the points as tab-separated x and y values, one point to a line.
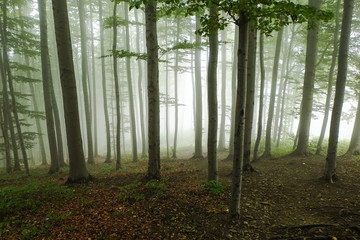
283	199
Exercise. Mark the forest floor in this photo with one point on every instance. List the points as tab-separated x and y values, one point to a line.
284	199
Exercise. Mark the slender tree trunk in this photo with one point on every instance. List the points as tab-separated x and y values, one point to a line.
308	88
330	81
4	113
233	94
282	112
11	88
78	171
84	76
212	102
198	121
250	93
94	82
103	76
176	70
267	152
261	102
330	167
130	88
167	92
153	90
221	145
239	119
117	92
140	92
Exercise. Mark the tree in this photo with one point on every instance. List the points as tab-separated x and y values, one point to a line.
198	99
221	145
308	87
11	88
103	76
153	90
46	76
267	152
212	100
130	88
84	77
78	171
117	90
330	166
330	80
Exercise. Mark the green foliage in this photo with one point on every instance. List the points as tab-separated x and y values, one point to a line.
124	54
213	187
31	196
158	186
109	22
130	192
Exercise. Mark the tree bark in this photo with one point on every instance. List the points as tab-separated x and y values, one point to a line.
330	81
308	88
239	119
330	166
261	103
117	91
78	171
212	101
153	90
176	70
233	94
250	94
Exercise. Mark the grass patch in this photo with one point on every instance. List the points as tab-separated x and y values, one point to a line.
213	187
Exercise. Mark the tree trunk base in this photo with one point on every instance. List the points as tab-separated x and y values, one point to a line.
229	158
82	180
52	170
248	168
108	160
197	157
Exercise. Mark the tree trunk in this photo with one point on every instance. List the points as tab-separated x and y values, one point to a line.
130	88
153	90
78	171
4	113
233	94
103	76
330	81
221	145
267	152
239	119
330	167
308	88
176	70
11	88
84	77
354	146
261	103
117	91
250	94
212	101
167	91
93	69
198	99
140	91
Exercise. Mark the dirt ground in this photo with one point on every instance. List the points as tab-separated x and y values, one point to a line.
284	199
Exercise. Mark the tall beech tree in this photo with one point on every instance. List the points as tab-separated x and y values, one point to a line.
84	80
153	90
308	87
78	171
330	166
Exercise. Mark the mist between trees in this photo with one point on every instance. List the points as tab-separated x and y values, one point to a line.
85	82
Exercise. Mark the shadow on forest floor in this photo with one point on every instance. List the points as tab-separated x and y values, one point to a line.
284	199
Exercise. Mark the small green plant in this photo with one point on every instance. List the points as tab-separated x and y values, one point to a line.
130	192
213	186
158	186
